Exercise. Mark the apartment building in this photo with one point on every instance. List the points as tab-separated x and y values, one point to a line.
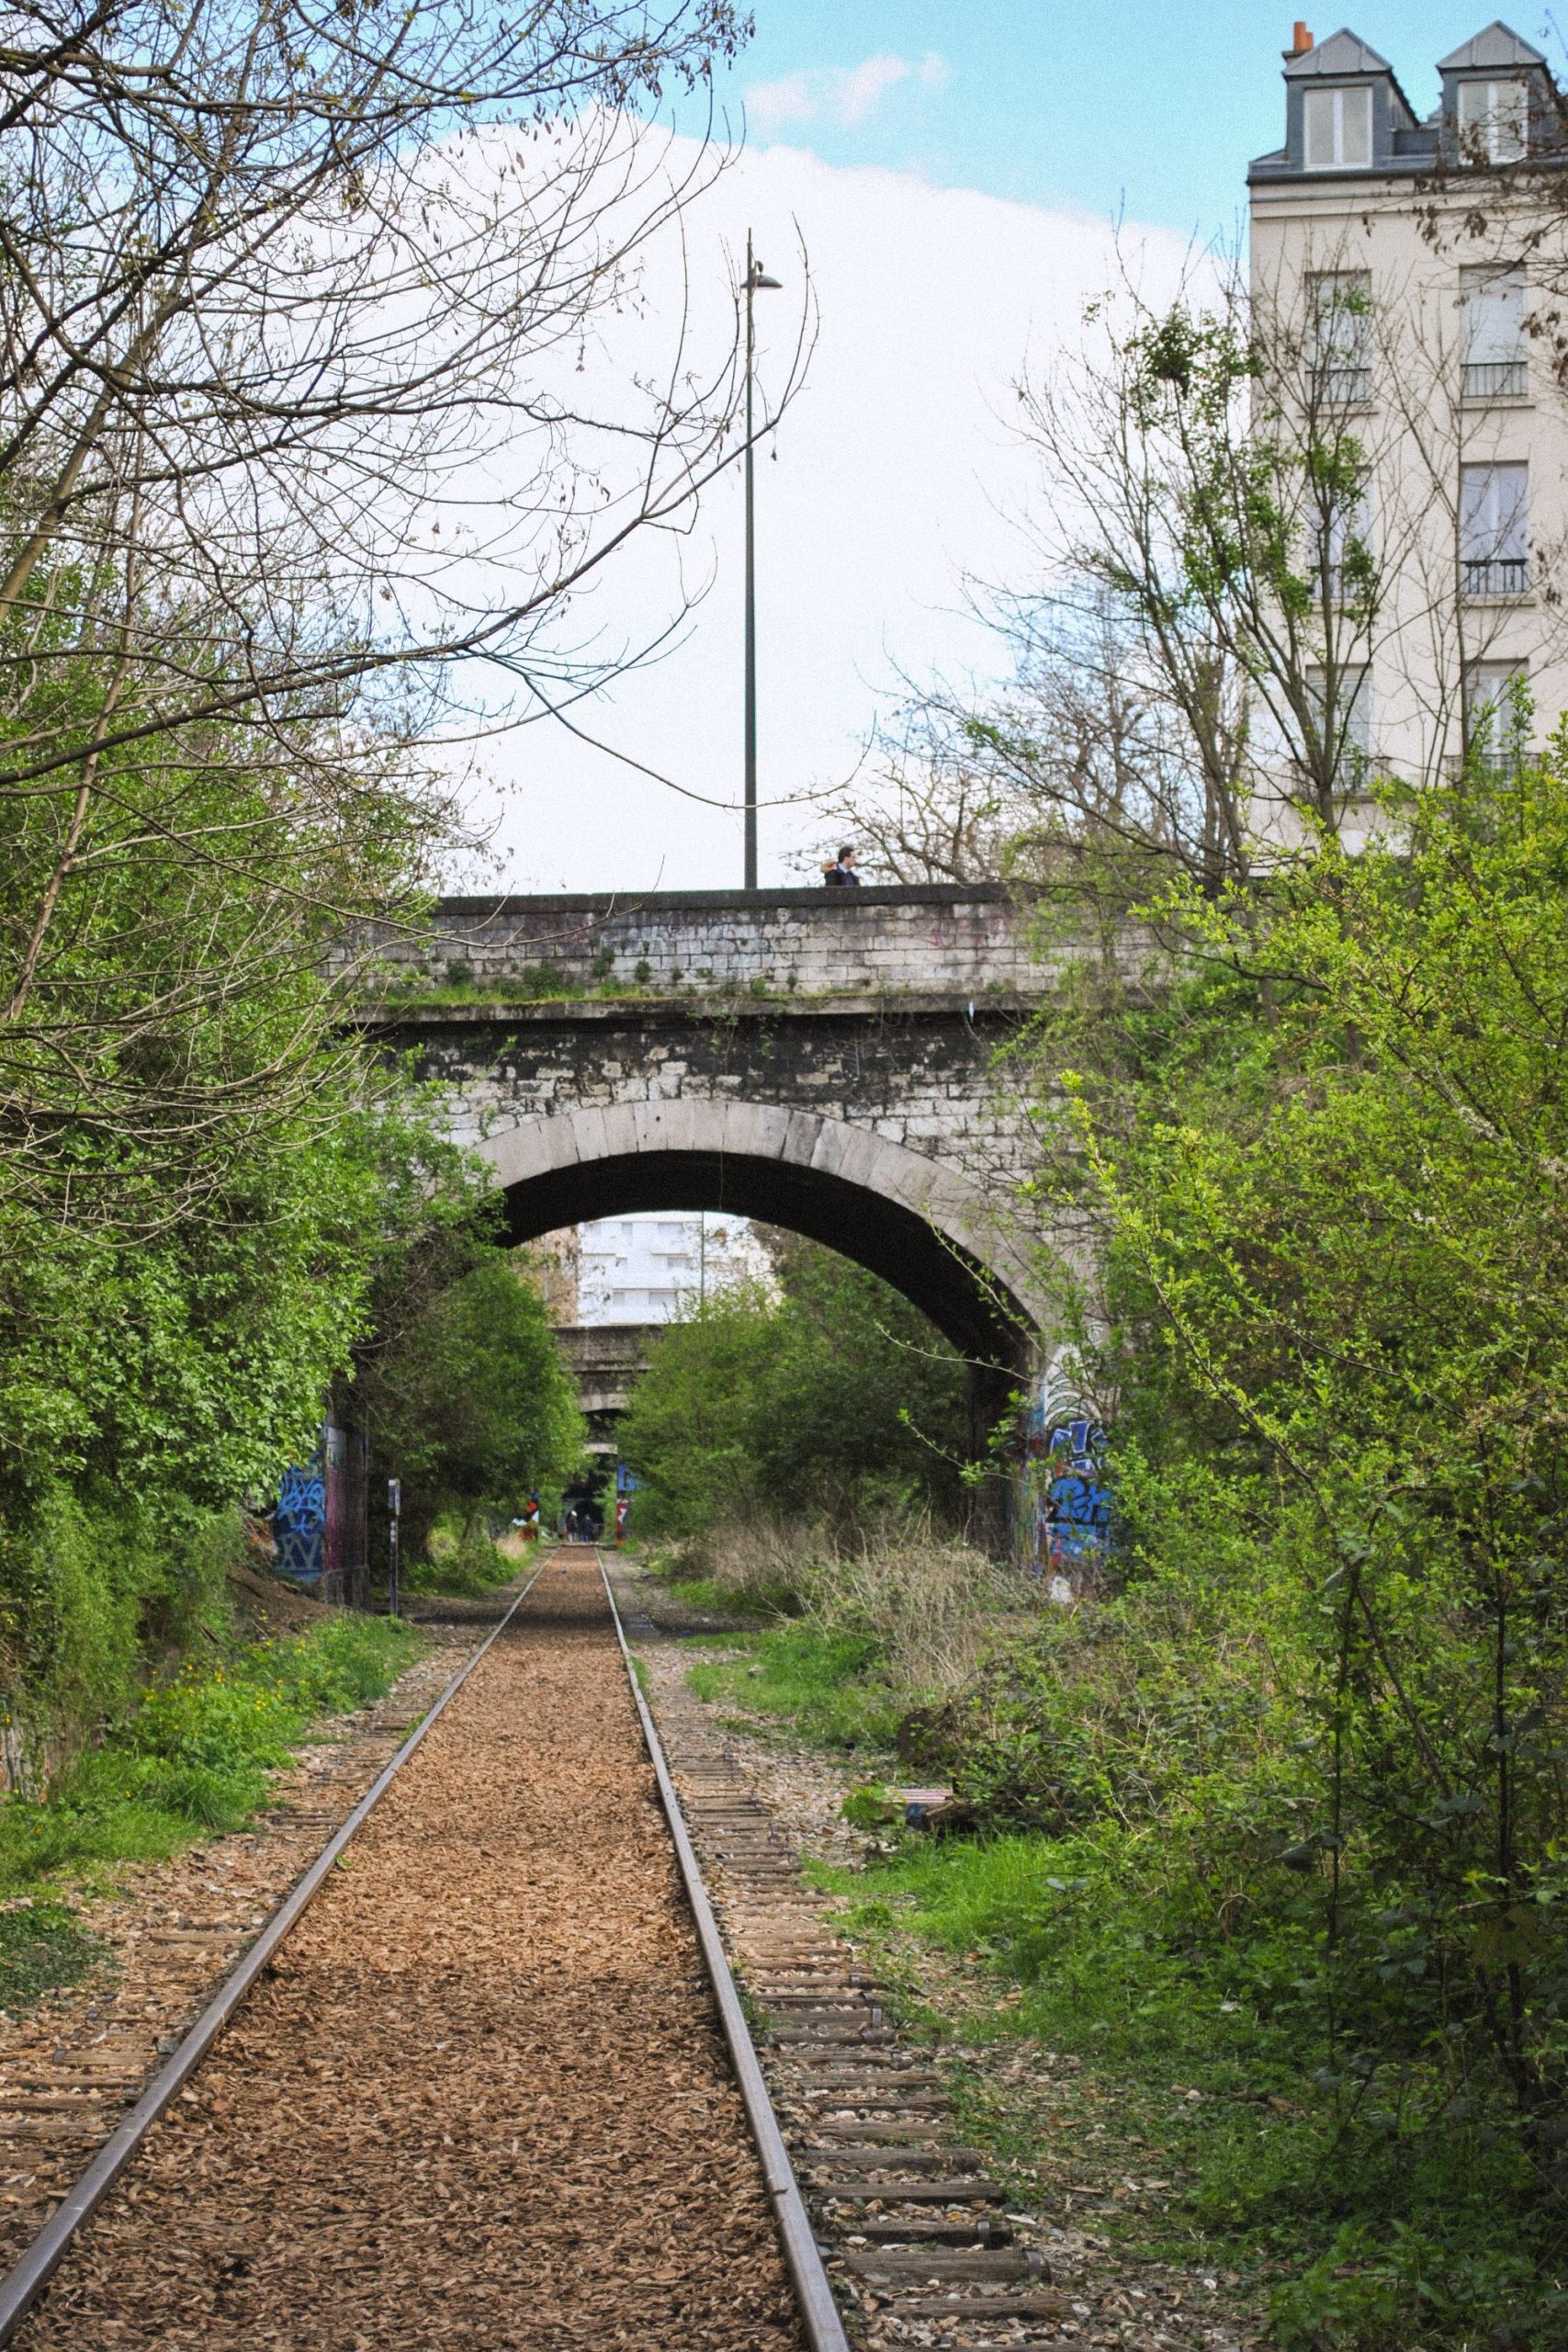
656	1266
1416	268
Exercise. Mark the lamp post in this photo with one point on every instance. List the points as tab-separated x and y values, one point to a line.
757	281
394	1516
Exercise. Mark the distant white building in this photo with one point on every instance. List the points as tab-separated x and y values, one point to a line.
655	1267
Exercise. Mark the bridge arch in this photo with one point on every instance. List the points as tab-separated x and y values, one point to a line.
928	1230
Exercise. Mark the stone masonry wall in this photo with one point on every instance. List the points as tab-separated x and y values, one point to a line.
926	1081
967	942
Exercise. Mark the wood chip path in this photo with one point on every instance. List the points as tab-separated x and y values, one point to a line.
484	2100
70	2066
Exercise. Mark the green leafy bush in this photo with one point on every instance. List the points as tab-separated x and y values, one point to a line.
464	1564
470	1403
832	1399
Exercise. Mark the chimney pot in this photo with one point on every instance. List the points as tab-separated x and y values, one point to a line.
1300	40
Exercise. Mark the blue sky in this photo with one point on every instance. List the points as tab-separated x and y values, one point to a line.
1124	102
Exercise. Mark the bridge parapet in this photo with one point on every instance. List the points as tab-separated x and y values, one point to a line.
934	940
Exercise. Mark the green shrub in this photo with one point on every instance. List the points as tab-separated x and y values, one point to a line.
466	1568
830	1398
1379	2290
470	1403
89	1590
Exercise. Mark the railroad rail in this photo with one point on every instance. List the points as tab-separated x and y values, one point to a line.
110	2177
881	2213
26	2281
914	2227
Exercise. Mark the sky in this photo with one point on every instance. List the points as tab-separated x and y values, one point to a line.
946	178
1124	104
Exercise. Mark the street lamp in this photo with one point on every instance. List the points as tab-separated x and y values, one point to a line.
757	281
394	1517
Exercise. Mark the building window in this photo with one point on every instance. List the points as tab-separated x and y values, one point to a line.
1493	530
1494	302
1345	546
1338	130
1341	311
1346	728
1492	731
1493	121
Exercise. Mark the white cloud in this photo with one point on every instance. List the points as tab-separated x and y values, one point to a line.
845	95
897	473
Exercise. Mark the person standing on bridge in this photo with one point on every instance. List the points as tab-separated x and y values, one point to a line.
842	875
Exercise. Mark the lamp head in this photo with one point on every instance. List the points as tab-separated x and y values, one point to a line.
760	283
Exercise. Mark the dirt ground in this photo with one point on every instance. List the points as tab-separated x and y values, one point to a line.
481	2100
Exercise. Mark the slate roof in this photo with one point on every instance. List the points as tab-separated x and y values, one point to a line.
1342	52
1498	45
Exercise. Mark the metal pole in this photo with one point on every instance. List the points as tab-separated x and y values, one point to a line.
751	792
394	1509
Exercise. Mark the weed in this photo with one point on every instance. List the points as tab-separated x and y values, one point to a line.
199	1751
43	1947
827	1686
1394	2215
746	1600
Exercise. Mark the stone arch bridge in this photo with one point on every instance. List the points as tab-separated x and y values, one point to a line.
824	1060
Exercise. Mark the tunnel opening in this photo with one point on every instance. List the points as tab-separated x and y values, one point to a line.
974	1309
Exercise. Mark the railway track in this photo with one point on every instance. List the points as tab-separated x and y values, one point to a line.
914	2229
65	2087
468	2086
536	2138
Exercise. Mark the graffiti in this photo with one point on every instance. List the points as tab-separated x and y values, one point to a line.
1068	1502
300	1522
317	1526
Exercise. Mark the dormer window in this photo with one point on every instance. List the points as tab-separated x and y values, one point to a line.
1493	121
1337	128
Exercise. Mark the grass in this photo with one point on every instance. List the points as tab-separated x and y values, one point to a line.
1201	2069
827	1687
43	1947
710	1593
198	1754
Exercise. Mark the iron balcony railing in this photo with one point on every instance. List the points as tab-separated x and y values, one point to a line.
1344	384
1495	575
1495	379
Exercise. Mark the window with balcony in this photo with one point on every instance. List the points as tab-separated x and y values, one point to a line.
1341	309
1492	733
1493	530
1495	349
1345	725
1493	121
1338	130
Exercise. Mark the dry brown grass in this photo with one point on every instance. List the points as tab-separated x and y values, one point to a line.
933	1604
